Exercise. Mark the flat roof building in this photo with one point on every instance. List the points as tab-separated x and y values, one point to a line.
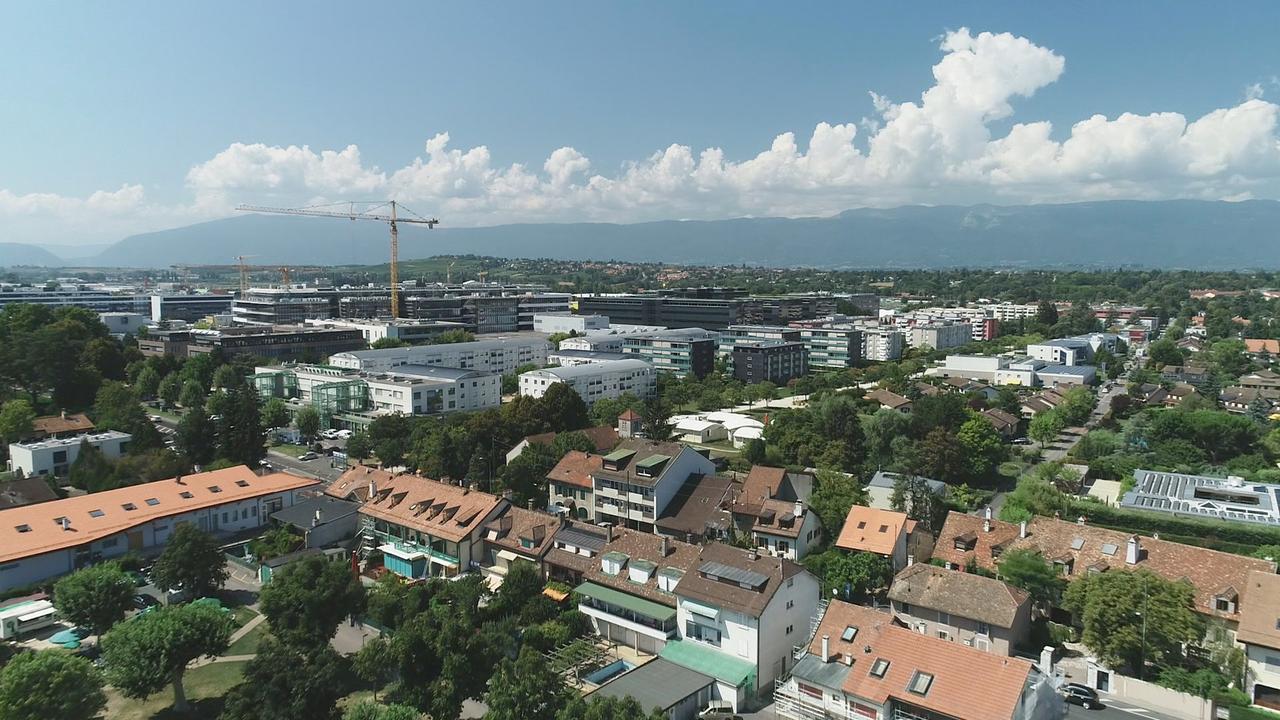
54	456
594	381
1198	496
499	355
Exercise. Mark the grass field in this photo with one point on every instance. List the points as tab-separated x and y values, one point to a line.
290	450
1252	713
206	686
248	643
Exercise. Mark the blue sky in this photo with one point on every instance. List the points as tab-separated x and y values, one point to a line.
143	103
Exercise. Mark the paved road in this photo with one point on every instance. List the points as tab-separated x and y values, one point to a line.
319	468
1114	710
1067	440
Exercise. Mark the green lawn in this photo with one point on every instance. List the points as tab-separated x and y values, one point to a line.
291	450
205	685
248	643
1252	713
242	615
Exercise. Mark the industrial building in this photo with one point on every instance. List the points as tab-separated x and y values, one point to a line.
594	381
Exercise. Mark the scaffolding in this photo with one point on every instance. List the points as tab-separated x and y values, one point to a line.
790	703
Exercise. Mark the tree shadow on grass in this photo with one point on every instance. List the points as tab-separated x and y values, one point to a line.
202	709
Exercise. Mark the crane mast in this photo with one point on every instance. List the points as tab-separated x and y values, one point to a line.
392	217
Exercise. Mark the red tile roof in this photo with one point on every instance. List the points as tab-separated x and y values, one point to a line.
1260	611
868	529
59	424
432	507
1211	572
953	691
354	484
575	468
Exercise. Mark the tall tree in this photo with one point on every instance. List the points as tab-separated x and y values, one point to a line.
307	600
373	711
1132	619
96	597
1045	426
148	383
170	389
943	456
607	708
527	689
358	446
1046	313
834	495
151	651
192	394
853	576
192	561
1027	569
982	446
196	436
16	419
283	682
226	376
564	408
49	684
308	422
275	413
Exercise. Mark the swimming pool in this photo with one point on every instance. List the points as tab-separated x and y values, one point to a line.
609	672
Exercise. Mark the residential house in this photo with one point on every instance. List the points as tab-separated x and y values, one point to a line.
1178	393
880	490
1262	349
970	609
967	386
924	389
357	483
602	438
1190	343
1193	374
1242	400
25	491
46	540
740	614
890	400
1259	633
1077	549
626	580
1150	394
883	532
1261	379
1005	423
773	507
518	535
570	489
699	512
639	478
426	528
62	425
54	456
861	664
323	521
1040	402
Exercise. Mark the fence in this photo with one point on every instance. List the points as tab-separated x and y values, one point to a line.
1150	696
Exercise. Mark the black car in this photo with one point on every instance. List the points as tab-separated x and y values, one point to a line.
142	601
1082	695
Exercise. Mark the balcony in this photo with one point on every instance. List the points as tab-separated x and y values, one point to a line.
408	546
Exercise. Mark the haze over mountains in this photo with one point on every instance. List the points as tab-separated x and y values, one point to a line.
1176	233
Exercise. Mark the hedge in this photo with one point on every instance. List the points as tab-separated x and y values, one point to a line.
1208	531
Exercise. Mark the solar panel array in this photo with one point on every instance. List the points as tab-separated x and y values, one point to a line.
746	578
1177	493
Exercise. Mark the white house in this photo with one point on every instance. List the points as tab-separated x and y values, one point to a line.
54	456
44	541
1259	633
739	615
594	381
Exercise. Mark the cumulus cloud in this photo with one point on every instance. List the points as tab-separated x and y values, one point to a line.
936	148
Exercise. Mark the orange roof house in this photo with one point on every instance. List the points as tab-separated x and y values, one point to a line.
883	532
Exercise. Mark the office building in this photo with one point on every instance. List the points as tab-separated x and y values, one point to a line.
552	323
44	541
774	361
408	330
500	355
710	310
353	396
95	297
569	358
735	335
594	381
832	348
54	456
1230	499
680	352
282	342
189	307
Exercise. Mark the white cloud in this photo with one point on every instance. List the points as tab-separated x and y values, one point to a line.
934	149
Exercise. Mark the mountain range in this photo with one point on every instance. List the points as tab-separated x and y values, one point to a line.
1175	234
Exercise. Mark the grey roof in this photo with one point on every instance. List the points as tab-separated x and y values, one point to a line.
728	572
287	558
829	675
886	480
677	334
591	369
434	372
591	355
1081	370
583	537
658	683
301	513
474	346
1216	498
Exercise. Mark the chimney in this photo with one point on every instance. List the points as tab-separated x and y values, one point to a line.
1080	520
752	555
826	648
178	479
63	414
373	489
1022	529
986	513
1133	552
848	659
315	520
666	546
798	510
986	525
911	560
608	533
66	524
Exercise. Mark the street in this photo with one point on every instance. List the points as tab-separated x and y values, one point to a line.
320	468
1067	439
1114	711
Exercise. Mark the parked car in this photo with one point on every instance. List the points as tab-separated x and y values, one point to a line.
1082	695
308	456
142	601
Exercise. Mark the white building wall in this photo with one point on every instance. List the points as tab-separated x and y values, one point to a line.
605	382
552	323
1264	667
677	472
54	456
484	355
785	624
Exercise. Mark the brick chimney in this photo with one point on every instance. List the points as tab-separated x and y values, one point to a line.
1133	551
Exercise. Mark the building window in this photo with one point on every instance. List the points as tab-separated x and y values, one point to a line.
791	604
879	667
110	542
809	690
984	629
920	683
702	633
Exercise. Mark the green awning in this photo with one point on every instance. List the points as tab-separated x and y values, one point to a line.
647	608
708	661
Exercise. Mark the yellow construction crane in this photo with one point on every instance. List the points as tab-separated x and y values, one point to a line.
448	273
284	275
363	211
244	273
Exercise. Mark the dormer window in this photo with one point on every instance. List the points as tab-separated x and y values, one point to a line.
611	563
640	571
966	541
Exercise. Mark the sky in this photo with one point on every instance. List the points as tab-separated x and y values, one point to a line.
126	117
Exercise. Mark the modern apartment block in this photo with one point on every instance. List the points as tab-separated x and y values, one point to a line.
679	352
832	348
775	361
941	336
636	482
500	355
735	335
353	397
880	344
594	381
54	456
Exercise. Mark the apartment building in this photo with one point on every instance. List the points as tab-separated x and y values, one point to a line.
570	487
424	528
775	361
772	507
735	335
54	456
861	664
833	348
44	541
407	389
966	608
881	344
680	352
500	356
941	336
882	532
594	381
637	481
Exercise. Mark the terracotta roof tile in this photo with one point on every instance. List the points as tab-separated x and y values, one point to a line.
1210	571
735	597
103	514
354	484
635	545
1260	611
575	468
430	506
959	593
59	424
518	526
871	530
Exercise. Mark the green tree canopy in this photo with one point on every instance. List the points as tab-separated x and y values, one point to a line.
153	650
307	599
308	422
275	413
982	446
148	383
851	575
1130	619
564	408
50	684
170	388
283	682
16	419
96	597
1027	569
527	689
196	436
91	471
192	561
834	495
1045	426
607	708
367	710
192	394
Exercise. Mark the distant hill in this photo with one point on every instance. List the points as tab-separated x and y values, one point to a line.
12	254
1180	233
